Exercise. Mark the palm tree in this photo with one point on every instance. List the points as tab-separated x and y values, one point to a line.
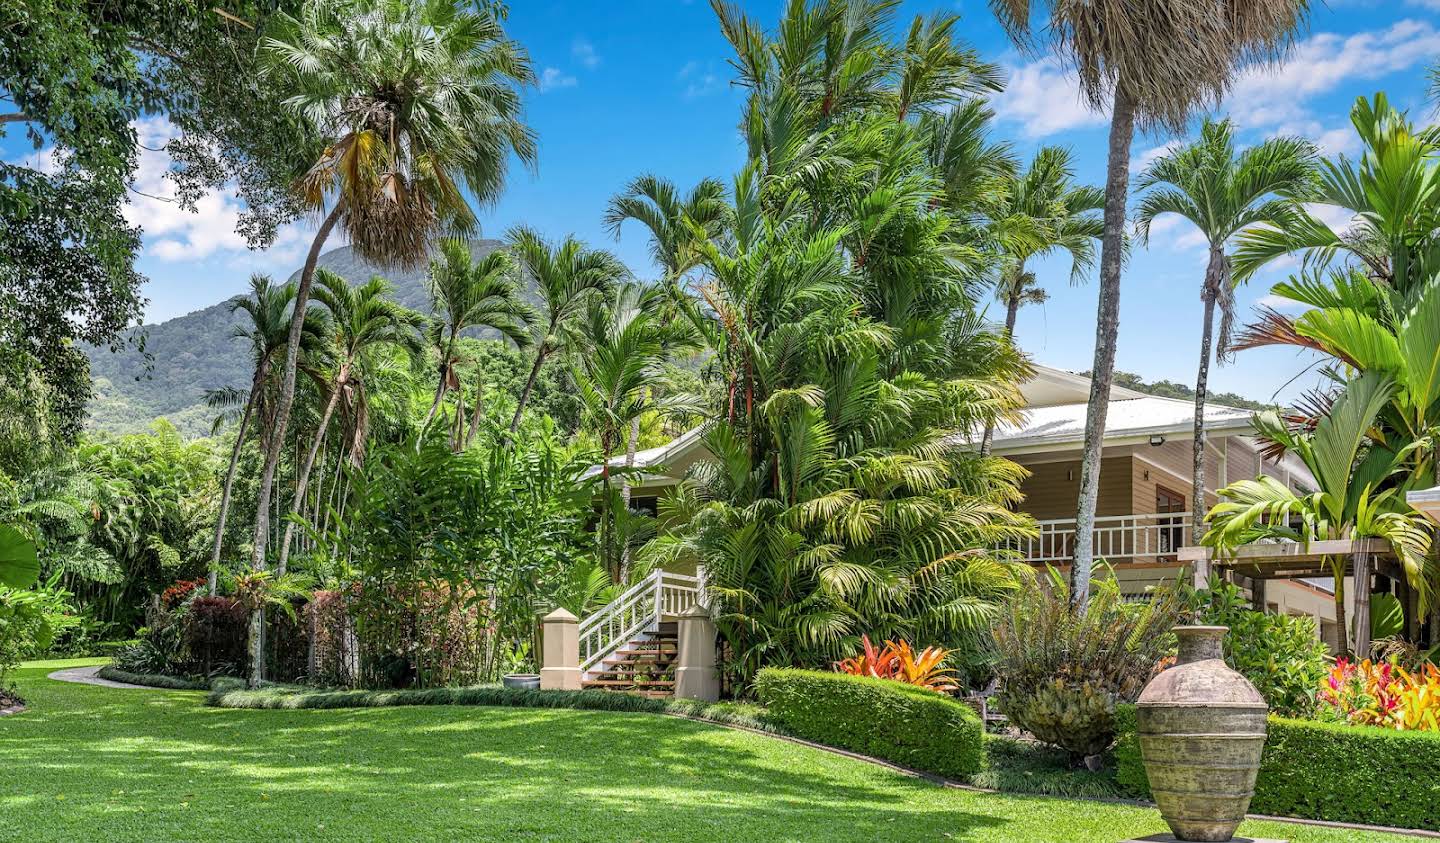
1151	62
1349	469
268	309
676	224
412	107
468	294
567	277
1221	194
1044	212
360	319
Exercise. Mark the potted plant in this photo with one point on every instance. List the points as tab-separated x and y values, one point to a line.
517	672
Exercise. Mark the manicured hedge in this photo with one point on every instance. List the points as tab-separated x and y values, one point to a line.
900	723
153	680
235	695
1327	771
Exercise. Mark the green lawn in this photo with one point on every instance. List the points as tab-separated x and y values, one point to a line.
108	764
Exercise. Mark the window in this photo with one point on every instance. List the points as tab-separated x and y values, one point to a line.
1172	530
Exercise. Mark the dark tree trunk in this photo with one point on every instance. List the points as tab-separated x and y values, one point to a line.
1107	325
529	386
302	482
277	435
1012	309
1202	384
261	370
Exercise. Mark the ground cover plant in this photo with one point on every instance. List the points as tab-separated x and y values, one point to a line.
148	764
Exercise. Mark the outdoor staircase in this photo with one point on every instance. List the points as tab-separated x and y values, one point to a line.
643	666
631	644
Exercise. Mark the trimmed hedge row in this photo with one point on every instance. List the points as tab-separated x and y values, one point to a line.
1328	771
292	697
153	680
900	723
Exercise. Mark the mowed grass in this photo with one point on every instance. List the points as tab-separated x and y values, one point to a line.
91	763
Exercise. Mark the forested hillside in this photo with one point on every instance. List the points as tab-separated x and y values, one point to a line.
191	354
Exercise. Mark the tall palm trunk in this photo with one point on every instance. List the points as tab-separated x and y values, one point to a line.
540	354
1213	278
277	435
444	381
214	578
302	482
1012	310
1342	632
1107	325
631	444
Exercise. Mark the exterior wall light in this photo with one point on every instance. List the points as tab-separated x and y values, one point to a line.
1157	440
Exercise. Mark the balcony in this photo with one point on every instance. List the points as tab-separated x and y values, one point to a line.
1149	538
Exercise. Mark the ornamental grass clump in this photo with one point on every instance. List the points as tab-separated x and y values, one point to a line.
1063	671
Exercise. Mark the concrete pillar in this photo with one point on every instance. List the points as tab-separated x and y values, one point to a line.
1200	571
695	675
560	661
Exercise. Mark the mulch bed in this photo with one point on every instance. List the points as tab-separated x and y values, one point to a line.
10	703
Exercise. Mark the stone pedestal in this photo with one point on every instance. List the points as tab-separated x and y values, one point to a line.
1170	838
695	675
560	657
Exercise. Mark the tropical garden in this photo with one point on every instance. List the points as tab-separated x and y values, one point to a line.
383	514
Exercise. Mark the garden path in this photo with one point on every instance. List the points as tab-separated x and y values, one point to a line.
87	676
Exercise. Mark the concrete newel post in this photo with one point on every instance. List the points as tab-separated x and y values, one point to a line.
695	675
560	659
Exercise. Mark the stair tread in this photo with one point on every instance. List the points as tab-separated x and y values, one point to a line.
659	683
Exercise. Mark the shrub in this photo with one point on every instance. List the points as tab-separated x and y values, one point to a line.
902	664
1328	771
1281	655
1384	694
216	633
901	723
1062	672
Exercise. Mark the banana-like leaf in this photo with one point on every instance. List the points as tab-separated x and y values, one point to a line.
19	564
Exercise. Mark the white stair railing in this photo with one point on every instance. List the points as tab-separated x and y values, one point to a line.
637	611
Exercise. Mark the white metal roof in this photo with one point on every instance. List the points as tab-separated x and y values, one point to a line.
1127	418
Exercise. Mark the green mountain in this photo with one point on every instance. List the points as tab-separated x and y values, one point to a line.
165	369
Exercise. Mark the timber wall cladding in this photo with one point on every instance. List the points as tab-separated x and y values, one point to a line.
1053	488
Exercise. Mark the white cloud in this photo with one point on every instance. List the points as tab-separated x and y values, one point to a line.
701	80
1433	5
1280	303
584	52
1269	96
553	77
1044	99
1338	219
1146	158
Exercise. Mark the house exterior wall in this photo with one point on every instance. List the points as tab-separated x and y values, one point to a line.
1053	487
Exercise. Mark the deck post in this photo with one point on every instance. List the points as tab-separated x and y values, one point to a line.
1361	588
560	658
695	675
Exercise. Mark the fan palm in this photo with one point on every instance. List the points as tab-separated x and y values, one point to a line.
1349	504
1223	195
465	294
1151	62
413	106
567	278
359	320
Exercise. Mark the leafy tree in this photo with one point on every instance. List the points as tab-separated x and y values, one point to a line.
360	321
1223	195
568	277
416	104
1153	62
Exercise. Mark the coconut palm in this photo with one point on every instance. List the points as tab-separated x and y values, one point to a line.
466	294
567	277
359	320
1151	63
1222	194
412	106
1349	469
267	309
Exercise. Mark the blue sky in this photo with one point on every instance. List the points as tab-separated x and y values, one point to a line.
643	86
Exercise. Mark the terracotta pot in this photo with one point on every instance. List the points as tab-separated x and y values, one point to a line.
1201	729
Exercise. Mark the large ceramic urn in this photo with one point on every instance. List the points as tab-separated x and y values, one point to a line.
1201	729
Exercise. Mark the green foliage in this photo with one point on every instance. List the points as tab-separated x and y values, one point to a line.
1171	389
1328	771
1062	672
900	723
1281	655
29	619
19	565
152	680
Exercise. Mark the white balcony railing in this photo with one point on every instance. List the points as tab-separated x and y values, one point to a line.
1151	537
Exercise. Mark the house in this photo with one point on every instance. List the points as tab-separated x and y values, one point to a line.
1143	513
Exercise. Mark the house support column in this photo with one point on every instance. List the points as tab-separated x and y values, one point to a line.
1361	641
560	659
695	675
1257	594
